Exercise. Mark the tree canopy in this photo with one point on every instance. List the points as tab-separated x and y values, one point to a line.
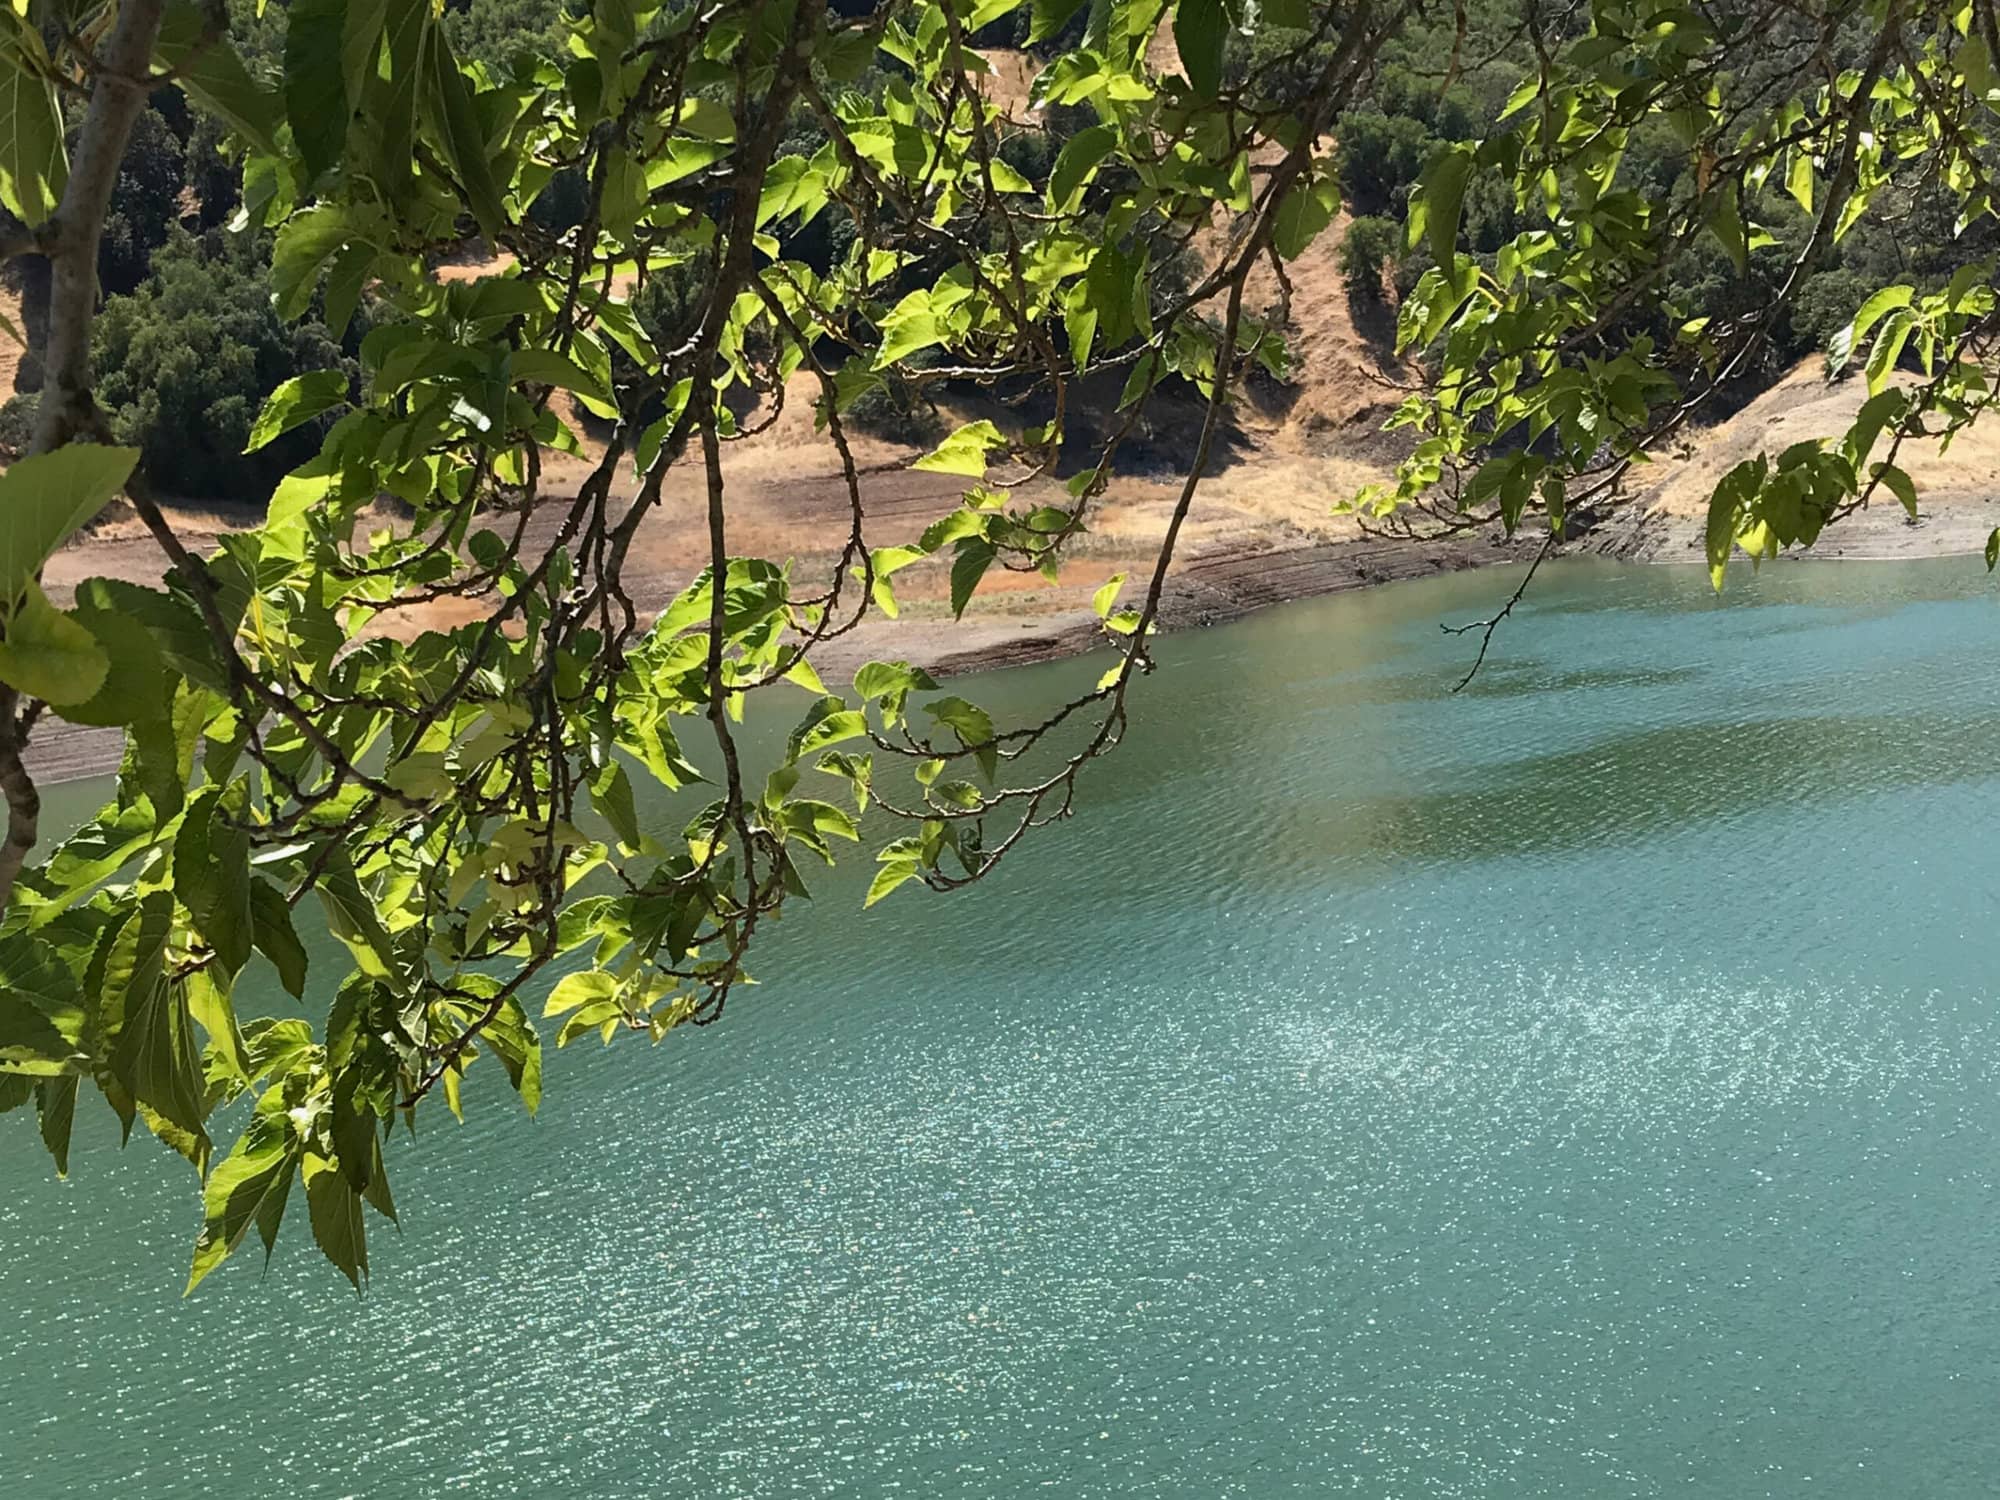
1613	212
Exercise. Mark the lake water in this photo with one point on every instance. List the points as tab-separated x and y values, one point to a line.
1586	1085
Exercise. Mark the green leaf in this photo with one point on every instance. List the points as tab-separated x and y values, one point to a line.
248	1186
1436	203
1898	483
1306	209
155	1056
1799	178
1727	508
1080	324
44	499
964	452
311	483
364	1073
212	877
1888	349
611	795
975	556
298	400
585	987
389	97
30	1041
1977	65
276	938
48	655
845	54
989	11
1007	180
1993	549
211	70
1840	348
34	168
828	722
707	119
101	847
882	679
361	45
891	875
546	367
137	689
1107	594
55	1104
1080	156
1050	16
1876	413
514	1040
465	139
305	244
906	328
214	1010
351	917
973	726
315	94
1200	27
335	1208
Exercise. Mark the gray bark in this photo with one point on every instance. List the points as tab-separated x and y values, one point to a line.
70	240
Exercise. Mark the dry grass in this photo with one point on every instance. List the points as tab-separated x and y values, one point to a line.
1011	75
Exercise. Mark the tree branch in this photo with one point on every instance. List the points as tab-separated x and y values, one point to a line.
70	240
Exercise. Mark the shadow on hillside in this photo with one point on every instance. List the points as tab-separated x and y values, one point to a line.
1163	439
1374	318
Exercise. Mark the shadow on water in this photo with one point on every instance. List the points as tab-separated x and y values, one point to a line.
1639	786
1517	680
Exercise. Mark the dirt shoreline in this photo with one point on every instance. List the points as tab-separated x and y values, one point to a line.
1212	587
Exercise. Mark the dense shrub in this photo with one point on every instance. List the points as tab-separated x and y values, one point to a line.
213	179
184	363
1369	251
145	205
895	410
498	31
561	205
17	425
1380	156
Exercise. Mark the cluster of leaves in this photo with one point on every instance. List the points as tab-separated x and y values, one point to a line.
462	808
758	196
1568	355
1450	79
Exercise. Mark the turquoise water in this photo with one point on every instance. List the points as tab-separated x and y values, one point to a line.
1585	1085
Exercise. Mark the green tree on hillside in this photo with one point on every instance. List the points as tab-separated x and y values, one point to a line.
460	808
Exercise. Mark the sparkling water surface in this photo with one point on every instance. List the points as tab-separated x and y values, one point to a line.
1582	1085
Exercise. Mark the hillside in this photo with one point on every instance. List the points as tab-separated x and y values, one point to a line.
1958	489
1264	527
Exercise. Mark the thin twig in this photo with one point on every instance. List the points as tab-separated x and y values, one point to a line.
1487	626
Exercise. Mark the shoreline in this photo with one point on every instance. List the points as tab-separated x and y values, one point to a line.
1216	587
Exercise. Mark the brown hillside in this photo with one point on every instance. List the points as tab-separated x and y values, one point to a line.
1803	406
1957	487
